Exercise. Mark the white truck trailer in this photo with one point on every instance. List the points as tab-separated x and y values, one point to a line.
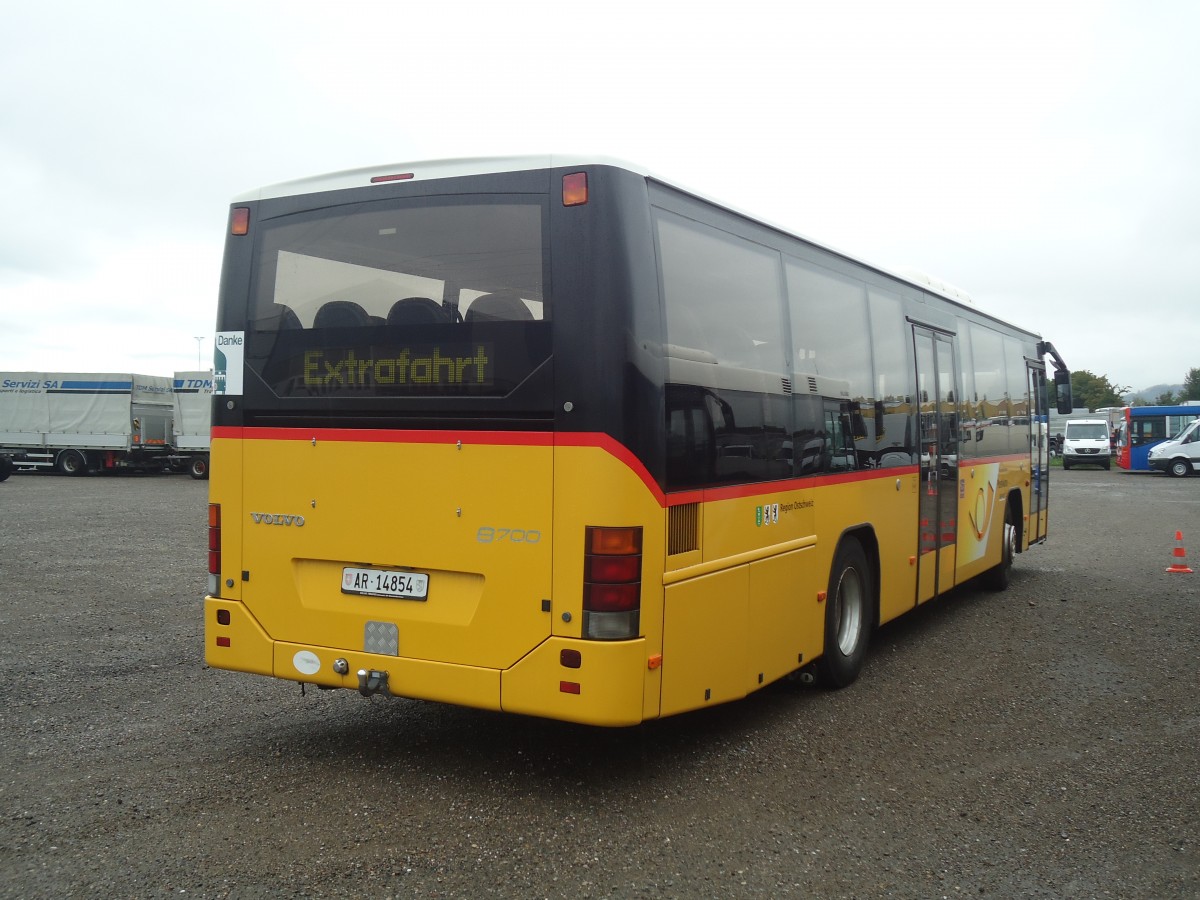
84	422
191	435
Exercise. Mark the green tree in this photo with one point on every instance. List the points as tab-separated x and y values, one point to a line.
1166	399
1095	391
1191	386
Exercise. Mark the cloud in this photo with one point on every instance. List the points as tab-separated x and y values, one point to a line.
1041	156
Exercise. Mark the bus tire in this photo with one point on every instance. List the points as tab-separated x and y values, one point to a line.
999	577
1180	468
848	616
6	468
198	467
72	462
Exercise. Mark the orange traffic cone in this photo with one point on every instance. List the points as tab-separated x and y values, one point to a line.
1180	556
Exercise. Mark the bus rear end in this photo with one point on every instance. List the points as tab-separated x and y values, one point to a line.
384	453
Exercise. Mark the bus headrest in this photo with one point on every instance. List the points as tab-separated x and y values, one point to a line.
341	314
416	311
498	308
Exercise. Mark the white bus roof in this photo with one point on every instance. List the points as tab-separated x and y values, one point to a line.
451	168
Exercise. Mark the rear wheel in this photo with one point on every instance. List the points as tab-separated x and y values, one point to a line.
199	467
999	577
848	616
1180	467
6	468
72	462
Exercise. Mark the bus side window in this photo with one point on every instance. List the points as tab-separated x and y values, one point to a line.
691	442
807	440
839	453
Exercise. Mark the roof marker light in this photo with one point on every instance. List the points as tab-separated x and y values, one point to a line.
575	189
239	220
380	179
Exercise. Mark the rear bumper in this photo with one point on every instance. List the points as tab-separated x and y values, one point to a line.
607	687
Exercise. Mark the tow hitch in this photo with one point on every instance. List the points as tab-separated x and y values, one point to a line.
372	681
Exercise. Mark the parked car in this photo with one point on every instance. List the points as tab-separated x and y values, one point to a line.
1180	455
1086	443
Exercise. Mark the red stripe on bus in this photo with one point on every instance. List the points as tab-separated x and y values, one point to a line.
763	488
388	436
595	440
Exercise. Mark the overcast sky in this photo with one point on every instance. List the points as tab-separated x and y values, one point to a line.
1042	156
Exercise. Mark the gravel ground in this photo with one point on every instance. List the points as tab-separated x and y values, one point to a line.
1044	742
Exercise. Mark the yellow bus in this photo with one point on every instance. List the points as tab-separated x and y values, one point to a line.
556	436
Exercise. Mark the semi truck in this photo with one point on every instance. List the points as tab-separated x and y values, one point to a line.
77	423
192	396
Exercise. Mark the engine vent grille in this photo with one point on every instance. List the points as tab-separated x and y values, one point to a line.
683	528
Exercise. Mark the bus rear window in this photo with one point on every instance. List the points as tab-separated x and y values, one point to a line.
401	299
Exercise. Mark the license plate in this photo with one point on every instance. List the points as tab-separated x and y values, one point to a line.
385	583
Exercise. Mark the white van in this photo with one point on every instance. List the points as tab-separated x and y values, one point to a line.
1085	442
1180	455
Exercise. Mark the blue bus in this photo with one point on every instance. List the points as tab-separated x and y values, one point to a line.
1145	426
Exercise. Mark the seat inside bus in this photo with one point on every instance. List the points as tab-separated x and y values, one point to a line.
498	307
341	314
416	311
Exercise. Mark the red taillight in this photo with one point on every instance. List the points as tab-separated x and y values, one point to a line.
214	540
612	587
239	220
613	569
612	597
575	189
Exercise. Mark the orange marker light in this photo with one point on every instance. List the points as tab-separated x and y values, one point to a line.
239	220
614	541
575	189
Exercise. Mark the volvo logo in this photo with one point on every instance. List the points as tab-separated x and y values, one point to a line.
277	519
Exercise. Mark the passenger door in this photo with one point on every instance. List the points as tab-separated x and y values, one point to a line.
1039	454
938	507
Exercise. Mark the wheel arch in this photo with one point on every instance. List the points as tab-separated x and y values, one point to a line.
1017	502
865	535
72	461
